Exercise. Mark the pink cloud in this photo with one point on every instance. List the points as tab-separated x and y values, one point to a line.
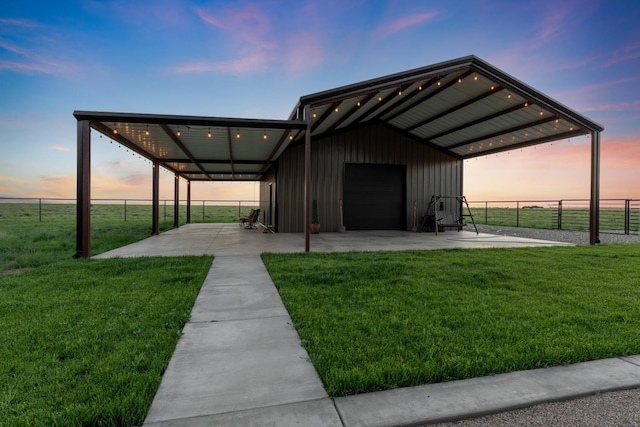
249	25
32	60
553	22
304	51
404	23
620	106
628	52
23	23
256	62
58	148
249	29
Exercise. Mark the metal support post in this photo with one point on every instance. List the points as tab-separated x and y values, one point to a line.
83	191
155	200
188	201
307	178
176	202
594	204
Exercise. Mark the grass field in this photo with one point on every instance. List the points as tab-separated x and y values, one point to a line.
85	342
375	321
47	212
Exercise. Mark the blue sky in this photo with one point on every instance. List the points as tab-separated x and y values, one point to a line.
256	58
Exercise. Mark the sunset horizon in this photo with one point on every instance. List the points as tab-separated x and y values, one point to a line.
237	60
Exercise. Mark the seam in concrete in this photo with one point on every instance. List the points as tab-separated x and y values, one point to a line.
333	402
238	320
212	242
626	359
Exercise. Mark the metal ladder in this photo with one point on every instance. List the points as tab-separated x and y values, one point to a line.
463	199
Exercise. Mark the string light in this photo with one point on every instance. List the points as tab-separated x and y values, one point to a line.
264	135
336	110
379	98
237	133
179	133
146	132
209	134
358	104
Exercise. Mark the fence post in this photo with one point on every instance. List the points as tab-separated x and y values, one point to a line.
203	211
559	214
627	216
165	209
125	210
517	214
239	207
40	209
486	213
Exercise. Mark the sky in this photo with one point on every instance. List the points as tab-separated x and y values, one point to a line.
254	59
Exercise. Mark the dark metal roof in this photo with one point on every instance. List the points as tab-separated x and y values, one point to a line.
200	148
465	107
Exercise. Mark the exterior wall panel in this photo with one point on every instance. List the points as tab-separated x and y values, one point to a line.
429	172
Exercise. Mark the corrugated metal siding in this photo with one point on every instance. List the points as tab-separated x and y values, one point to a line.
429	172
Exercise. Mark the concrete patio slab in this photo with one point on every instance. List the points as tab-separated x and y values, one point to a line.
232	240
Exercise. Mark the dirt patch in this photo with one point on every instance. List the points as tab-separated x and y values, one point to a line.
16	270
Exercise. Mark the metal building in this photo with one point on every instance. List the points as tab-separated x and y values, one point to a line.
377	147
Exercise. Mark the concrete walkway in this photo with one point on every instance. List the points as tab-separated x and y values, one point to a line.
240	361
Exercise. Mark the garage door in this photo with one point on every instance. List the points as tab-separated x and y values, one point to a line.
374	197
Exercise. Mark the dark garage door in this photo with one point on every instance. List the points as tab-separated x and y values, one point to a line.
374	197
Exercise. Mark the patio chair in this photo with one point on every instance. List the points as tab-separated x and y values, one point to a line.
252	220
243	219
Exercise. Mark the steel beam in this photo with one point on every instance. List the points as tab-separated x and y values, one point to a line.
176	201
189	201
594	204
83	191
155	200
307	178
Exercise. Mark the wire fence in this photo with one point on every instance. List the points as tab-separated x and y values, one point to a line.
50	209
619	216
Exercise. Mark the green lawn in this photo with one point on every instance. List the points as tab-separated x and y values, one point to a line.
380	320
85	342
